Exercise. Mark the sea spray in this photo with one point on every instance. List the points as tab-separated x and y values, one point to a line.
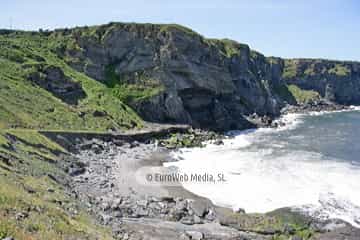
308	165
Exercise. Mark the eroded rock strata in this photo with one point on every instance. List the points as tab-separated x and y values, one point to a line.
207	83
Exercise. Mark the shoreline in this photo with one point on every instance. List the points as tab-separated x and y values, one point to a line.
105	183
191	157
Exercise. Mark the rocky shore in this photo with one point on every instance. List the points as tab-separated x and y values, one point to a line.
103	178
100	176
315	106
320	105
105	181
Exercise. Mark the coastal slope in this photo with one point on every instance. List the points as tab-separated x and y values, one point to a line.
166	73
73	99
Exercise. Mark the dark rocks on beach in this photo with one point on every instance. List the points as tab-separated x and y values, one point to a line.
261	121
240	210
314	106
76	168
192	138
199	208
194	235
219	142
96	185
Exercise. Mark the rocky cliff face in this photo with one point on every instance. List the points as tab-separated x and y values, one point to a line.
203	82
335	80
169	73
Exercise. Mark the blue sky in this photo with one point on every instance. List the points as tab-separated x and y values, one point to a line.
292	28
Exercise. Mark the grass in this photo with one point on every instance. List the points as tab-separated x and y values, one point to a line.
26	105
303	96
227	47
275	222
339	70
290	69
131	88
312	67
172	27
28	210
285	94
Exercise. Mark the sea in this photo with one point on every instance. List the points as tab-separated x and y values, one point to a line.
312	165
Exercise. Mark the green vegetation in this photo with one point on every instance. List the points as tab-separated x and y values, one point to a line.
290	69
32	204
303	96
312	67
131	88
171	27
24	104
339	70
284	93
281	224
228	48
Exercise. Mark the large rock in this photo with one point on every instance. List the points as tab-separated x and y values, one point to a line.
53	79
335	80
205	83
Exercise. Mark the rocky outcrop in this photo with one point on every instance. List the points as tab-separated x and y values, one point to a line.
169	73
203	82
335	80
54	80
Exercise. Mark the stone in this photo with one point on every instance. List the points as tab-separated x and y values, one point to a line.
141	212
53	79
240	210
105	206
194	235
219	142
106	219
21	215
134	144
201	86
188	220
183	236
199	208
142	203
197	220
98	113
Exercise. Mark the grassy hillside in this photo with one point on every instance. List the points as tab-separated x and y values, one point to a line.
32	204
38	90
303	96
26	102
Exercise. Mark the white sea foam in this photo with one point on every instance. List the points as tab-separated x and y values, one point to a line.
356	108
292	120
263	179
318	113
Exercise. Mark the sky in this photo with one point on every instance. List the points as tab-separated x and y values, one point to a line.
286	28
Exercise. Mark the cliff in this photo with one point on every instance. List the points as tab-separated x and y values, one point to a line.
166	73
172	74
334	80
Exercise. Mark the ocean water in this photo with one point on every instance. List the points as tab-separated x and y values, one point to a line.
312	164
